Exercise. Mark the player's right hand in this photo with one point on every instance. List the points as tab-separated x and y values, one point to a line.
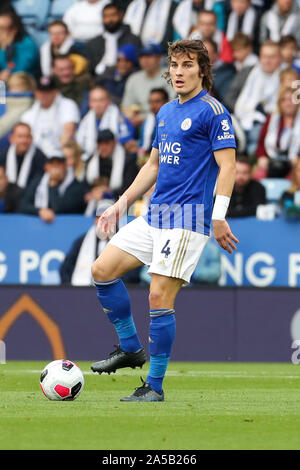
224	236
107	222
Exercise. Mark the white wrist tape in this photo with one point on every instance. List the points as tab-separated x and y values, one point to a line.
220	207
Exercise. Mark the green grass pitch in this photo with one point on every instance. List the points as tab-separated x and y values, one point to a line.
208	406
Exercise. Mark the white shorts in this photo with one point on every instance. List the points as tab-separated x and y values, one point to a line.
170	252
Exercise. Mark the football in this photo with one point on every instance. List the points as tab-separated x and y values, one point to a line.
61	380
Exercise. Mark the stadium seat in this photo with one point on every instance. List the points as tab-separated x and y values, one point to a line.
275	187
58	9
34	14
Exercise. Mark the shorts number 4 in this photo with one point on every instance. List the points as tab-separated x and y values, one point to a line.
166	249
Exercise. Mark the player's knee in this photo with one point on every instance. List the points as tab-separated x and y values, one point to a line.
157	299
99	272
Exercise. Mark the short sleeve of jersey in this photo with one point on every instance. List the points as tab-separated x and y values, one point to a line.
155	141
220	131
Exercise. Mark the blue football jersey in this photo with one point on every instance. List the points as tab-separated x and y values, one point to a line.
186	136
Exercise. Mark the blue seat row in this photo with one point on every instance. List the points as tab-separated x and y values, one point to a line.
37	14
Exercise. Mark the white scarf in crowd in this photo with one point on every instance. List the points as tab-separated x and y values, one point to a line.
289	141
183	16
46	56
273	25
118	163
250	60
82	275
217	37
152	30
248	23
12	167
41	199
258	88
109	58
87	132
48	143
149	125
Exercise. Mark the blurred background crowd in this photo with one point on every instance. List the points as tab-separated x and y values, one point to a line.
82	82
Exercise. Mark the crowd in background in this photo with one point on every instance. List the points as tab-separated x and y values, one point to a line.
84	82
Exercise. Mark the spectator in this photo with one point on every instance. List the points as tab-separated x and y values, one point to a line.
151	20
112	160
18	52
122	4
242	19
140	83
288	77
268	60
290	200
72	153
207	29
84	20
52	117
76	268
22	160
57	192
186	15
279	142
157	98
102	50
102	114
247	194
19	98
59	43
74	87
10	194
223	71
283	18
242	51
288	50
99	190
258	93
114	78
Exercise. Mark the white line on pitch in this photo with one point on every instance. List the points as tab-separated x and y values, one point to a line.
174	373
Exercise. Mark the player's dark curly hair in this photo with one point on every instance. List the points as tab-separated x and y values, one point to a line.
188	47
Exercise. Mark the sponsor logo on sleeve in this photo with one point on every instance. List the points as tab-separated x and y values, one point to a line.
225	125
225	128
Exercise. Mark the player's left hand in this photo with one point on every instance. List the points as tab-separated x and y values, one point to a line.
224	236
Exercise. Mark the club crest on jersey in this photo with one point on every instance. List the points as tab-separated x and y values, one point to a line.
186	124
225	125
161	124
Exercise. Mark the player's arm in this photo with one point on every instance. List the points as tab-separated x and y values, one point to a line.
225	159
144	180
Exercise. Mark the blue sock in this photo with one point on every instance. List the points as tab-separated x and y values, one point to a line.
115	302
161	338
